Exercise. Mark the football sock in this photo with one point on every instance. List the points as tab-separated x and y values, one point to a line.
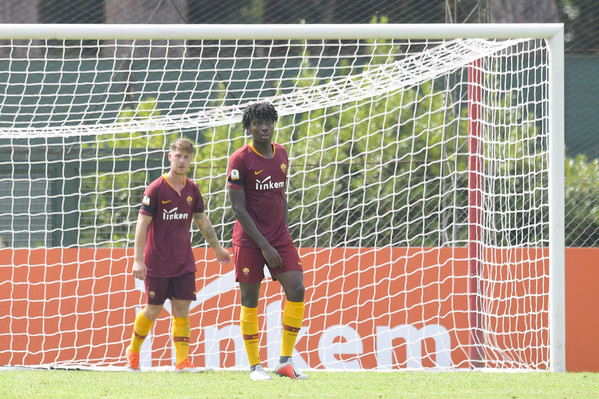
181	334
249	331
293	315
141	328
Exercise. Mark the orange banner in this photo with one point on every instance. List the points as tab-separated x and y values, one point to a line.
366	308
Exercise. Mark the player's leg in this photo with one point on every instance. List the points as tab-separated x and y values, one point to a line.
181	332
182	292
142	326
293	311
292	280
156	290
248	321
249	272
293	316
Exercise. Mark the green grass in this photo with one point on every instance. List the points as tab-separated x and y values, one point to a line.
234	384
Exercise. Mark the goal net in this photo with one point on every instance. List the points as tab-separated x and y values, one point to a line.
419	190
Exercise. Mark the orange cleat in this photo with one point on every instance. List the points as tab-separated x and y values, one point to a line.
185	365
132	360
288	370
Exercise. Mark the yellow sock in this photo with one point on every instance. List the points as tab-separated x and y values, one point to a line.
293	315
249	331
181	334
141	328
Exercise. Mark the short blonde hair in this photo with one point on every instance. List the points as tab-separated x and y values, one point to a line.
183	145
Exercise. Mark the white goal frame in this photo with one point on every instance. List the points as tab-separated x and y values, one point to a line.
554	33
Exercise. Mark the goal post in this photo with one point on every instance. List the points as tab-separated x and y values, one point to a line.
557	256
426	188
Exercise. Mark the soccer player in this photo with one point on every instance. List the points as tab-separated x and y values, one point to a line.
163	256
256	180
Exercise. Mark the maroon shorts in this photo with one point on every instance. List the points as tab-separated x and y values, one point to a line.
249	263
158	289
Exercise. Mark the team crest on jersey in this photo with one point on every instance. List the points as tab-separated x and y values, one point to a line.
146	200
283	168
246	271
151	294
189	199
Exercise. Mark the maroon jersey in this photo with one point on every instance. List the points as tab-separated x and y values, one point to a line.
168	250
263	181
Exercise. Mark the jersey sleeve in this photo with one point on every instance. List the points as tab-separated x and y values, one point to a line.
199	204
236	171
149	202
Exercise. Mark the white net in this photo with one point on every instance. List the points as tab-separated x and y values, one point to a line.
418	196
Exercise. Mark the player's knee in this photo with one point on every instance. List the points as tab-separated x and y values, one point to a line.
152	311
296	292
250	297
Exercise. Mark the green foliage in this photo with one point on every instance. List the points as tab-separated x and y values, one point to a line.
582	206
210	173
119	167
350	162
390	171
347	169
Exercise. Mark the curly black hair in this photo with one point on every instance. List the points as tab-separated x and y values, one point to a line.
258	112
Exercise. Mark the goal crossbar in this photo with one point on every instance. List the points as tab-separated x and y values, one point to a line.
276	31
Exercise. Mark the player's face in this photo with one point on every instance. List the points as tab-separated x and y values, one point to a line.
180	161
262	131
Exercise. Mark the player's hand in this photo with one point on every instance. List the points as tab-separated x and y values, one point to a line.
272	257
139	270
222	255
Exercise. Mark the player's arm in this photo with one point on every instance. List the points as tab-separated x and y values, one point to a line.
209	234
237	198
141	236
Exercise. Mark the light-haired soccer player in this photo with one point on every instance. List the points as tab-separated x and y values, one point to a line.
163	255
257	176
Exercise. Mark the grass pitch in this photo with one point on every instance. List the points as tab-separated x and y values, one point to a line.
345	385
